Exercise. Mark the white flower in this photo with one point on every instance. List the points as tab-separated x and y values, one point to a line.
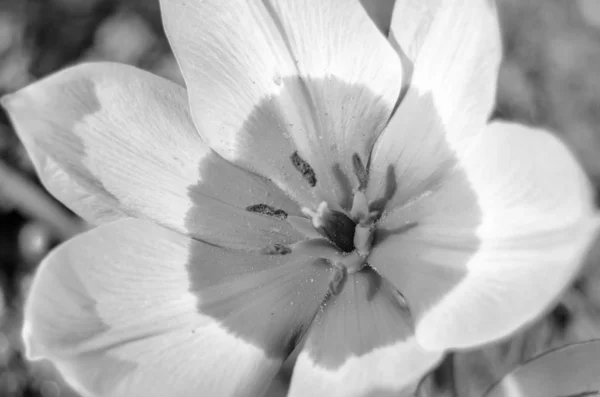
290	195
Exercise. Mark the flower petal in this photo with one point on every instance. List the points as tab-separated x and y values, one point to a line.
272	78
380	12
361	343
456	51
133	309
494	244
110	140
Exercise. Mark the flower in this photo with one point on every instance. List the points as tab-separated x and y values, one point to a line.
317	183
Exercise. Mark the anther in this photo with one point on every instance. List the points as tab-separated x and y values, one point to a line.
277	249
360	171
360	206
318	215
264	209
304	168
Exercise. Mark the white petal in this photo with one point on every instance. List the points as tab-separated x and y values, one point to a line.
269	78
361	343
110	140
495	243
456	50
132	309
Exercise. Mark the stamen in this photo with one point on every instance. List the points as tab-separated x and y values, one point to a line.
345	185
264	209
360	171
304	226
390	190
363	239
277	249
318	215
360	206
304	168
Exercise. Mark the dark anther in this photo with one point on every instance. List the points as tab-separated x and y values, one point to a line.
339	229
264	209
277	249
360	171
304	168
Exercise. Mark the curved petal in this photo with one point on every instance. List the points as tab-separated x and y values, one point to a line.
496	243
455	48
133	309
271	78
380	12
110	140
360	344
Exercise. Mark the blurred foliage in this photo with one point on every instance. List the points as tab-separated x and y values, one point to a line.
550	77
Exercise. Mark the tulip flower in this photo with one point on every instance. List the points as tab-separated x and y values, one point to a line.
317	183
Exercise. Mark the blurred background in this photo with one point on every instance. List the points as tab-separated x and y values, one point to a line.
550	77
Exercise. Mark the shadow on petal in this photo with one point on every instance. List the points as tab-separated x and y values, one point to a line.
270	300
267	300
428	232
367	315
361	347
323	122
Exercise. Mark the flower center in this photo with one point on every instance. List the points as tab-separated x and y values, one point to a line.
350	237
336	226
343	239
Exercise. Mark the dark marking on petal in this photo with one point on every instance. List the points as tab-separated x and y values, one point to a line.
277	249
264	209
304	168
344	182
360	171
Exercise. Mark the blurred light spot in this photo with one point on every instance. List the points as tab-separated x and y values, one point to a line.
124	38
34	242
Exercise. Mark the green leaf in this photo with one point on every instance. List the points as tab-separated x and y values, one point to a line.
570	371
